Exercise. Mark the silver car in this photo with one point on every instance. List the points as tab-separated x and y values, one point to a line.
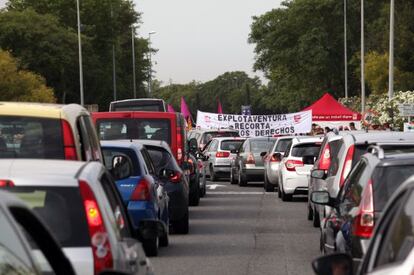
71	198
271	162
218	156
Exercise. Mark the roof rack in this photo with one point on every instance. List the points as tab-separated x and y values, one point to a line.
378	148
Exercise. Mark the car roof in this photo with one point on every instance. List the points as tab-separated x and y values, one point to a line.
307	139
122	143
214	130
138	99
229	138
379	136
133	114
262	138
45	110
56	172
392	159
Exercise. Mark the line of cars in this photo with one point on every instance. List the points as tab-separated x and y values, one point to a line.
98	190
360	195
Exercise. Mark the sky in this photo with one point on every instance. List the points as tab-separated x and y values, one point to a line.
199	39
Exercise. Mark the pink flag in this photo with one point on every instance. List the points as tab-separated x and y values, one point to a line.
184	109
219	108
170	108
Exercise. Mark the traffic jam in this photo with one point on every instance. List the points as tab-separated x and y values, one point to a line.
108	192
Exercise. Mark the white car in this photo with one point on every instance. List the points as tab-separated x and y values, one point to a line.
293	172
72	199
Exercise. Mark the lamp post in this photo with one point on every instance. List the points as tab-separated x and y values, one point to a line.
133	61
345	51
113	58
362	59
80	55
150	63
391	57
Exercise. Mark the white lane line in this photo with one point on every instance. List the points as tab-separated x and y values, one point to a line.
237	193
214	186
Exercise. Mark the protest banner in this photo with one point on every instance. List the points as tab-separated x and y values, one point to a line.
258	125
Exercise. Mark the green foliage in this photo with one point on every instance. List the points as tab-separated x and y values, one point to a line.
21	85
43	34
377	72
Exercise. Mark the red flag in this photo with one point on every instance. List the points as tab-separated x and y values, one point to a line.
184	109
170	108
219	108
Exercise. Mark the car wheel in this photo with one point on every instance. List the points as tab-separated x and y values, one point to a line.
150	247
242	178
286	197
316	220
213	176
194	199
181	226
232	178
164	240
267	185
310	213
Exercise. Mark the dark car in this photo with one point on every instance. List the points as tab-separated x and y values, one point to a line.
361	201
175	183
391	249
248	163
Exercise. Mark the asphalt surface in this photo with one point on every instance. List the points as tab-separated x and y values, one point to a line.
242	230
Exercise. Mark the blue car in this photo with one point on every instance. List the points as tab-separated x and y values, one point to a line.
143	193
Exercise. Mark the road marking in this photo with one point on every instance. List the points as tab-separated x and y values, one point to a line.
238	193
214	186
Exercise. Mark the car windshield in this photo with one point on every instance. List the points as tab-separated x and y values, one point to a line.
228	145
306	149
61	209
258	146
386	180
136	128
30	137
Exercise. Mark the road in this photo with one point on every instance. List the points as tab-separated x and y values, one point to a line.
242	230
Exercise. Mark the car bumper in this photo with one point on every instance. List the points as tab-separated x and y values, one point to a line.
141	210
222	169
254	172
297	184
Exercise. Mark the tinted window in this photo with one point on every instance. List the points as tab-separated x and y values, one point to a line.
358	152
258	146
398	240
209	135
354	185
305	149
335	147
137	128
162	158
61	209
386	180
110	152
28	137
148	162
229	145
282	145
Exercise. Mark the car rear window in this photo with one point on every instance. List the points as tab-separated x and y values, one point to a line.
135	128
305	149
258	146
228	145
282	145
30	137
210	135
110	153
162	158
61	209
386	180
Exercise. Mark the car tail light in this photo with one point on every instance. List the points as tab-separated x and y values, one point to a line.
142	191
68	141
292	164
325	158
222	154
347	165
363	224
179	146
175	177
250	159
6	183
101	247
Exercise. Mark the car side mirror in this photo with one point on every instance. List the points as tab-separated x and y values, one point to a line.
193	146
308	159
262	154
339	263
277	156
318	174
121	167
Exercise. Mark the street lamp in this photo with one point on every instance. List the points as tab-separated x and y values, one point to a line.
150	62
391	57
362	59
133	60
345	52
80	54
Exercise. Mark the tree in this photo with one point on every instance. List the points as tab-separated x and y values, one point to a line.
21	85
